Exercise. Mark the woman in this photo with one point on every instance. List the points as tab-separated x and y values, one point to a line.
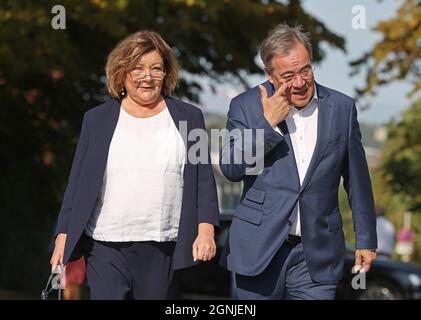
135	206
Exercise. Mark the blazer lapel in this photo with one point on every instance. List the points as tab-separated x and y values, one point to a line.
291	159
175	112
103	127
324	125
177	116
104	131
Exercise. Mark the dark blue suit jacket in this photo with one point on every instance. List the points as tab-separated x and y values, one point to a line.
269	202
199	202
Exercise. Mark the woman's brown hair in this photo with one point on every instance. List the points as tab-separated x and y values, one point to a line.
128	52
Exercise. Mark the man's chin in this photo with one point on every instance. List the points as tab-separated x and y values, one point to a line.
300	103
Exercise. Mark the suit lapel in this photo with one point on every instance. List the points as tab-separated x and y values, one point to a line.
324	125
291	159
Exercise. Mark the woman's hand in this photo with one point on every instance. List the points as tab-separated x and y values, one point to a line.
58	250
204	247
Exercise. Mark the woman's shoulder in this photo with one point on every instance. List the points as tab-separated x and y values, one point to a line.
184	106
102	109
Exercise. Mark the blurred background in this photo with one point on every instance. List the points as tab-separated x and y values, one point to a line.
52	71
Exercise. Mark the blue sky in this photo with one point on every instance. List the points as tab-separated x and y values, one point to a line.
334	71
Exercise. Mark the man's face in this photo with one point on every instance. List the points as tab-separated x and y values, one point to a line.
295	69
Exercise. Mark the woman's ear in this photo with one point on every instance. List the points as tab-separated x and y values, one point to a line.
122	92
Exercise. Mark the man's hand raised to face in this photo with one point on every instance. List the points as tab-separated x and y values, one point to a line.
276	107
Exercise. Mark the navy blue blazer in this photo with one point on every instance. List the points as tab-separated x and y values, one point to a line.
199	201
269	201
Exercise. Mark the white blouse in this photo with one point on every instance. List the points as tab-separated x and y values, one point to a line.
142	189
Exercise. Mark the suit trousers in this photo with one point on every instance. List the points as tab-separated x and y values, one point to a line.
285	278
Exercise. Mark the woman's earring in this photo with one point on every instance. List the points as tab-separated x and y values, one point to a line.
122	92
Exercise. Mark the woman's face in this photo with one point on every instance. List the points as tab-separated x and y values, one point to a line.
144	83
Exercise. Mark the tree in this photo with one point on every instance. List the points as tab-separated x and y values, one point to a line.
397	55
399	176
49	78
401	159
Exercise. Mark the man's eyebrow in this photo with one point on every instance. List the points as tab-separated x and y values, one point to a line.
286	73
308	65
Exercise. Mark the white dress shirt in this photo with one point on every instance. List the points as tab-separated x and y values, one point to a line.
142	188
302	127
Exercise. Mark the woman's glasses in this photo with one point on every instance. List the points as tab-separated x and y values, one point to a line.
138	74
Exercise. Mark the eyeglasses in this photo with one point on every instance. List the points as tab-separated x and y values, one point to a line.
138	74
305	73
55	281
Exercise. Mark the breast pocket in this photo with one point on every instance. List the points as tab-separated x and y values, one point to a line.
336	144
254	198
251	207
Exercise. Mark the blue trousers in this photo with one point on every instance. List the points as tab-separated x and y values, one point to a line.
129	270
285	278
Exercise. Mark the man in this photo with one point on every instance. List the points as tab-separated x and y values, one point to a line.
286	239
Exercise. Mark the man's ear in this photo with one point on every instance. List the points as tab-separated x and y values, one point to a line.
270	77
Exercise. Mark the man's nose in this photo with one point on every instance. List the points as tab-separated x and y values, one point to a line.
298	82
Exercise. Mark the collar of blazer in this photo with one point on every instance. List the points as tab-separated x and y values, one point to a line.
108	117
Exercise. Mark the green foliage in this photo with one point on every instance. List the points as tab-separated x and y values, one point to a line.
401	162
397	55
346	217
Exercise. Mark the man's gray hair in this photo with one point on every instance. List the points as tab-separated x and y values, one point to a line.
280	41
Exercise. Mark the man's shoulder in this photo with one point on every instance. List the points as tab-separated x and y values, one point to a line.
339	98
250	94
247	102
